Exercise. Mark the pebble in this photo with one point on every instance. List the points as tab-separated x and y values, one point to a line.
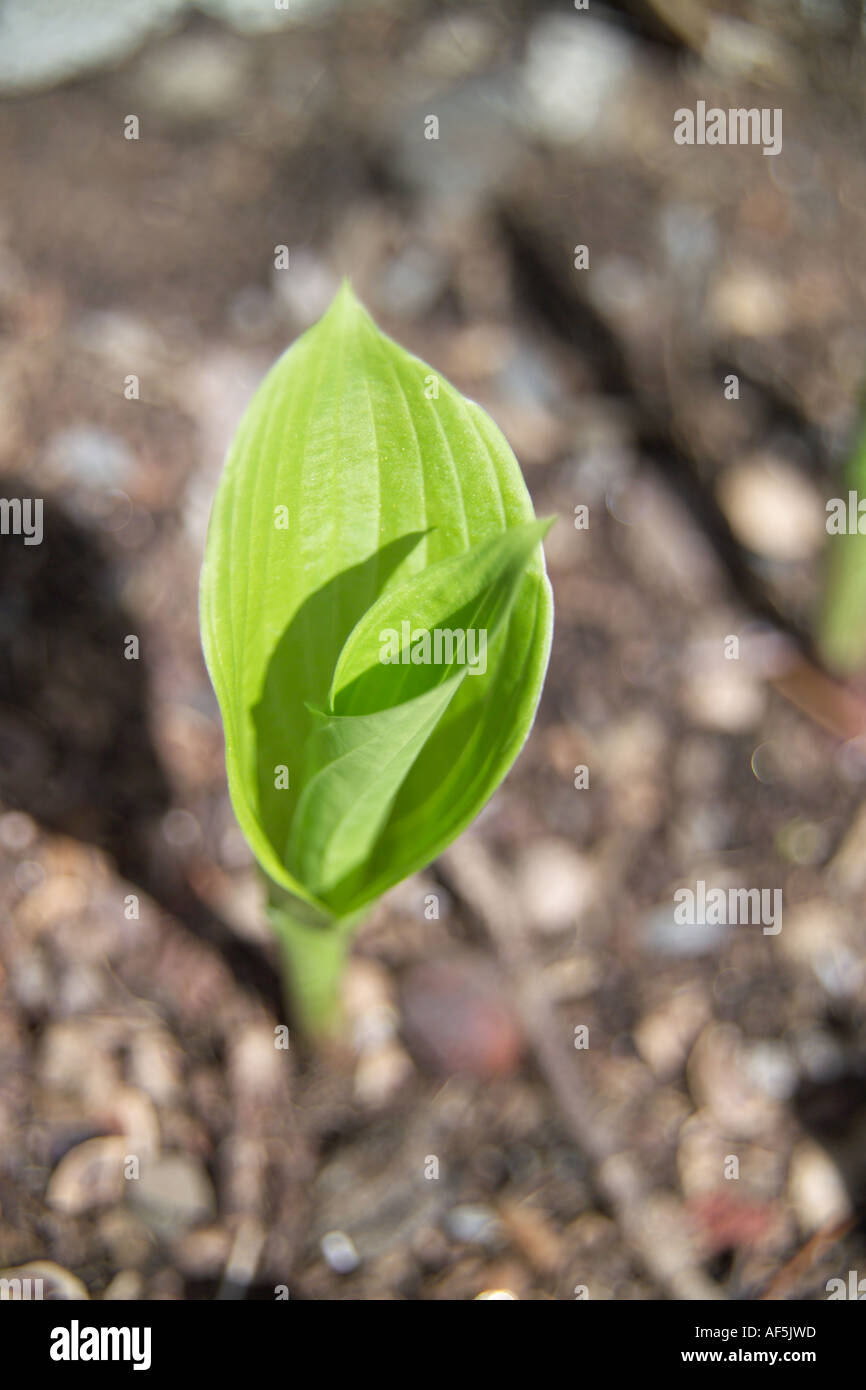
155	1065
574	68
818	934
718	1078
133	1113
42	43
739	50
340	1252
474	1224
703	1157
457	1020
573	977
661	932
556	885
173	1194
815	1188
256	1067
717	693
125	1287
194	78
90	456
770	1066
772	508
663	1038
17	831
380	1073
750	303
88	1176
203	1253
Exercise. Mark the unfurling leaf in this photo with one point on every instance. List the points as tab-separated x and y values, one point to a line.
375	616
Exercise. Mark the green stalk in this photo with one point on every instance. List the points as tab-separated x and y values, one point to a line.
313	951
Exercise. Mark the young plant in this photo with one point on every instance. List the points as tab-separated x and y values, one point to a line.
376	620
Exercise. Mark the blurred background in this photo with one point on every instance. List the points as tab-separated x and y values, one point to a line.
711	1139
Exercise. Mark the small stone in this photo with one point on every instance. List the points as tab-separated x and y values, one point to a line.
737	49
718	1078
203	1254
770	1066
749	302
474	1224
154	1065
816	1189
88	1177
720	694
573	977
339	1252
17	831
457	1019
571	77
42	44
134	1115
194	78
556	885
772	508
125	1287
664	1037
380	1073
173	1194
662	933
89	456
256	1066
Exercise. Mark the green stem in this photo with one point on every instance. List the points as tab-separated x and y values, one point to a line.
313	953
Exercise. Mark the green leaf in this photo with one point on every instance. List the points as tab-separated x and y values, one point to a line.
362	760
382	714
405	505
842	626
472	591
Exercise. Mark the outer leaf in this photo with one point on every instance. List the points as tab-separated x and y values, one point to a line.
380	481
842	626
